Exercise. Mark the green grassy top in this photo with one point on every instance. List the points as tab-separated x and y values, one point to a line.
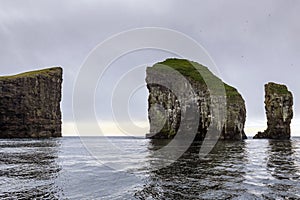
276	88
31	73
196	72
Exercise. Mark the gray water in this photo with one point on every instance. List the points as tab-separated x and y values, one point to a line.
122	168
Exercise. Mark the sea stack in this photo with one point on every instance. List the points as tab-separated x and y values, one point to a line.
166	111
279	111
30	104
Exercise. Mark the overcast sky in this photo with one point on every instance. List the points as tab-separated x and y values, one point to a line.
251	43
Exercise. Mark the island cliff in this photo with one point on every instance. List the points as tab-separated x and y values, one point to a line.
165	112
279	111
30	104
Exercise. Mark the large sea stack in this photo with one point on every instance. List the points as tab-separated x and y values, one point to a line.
279	111
30	104
174	81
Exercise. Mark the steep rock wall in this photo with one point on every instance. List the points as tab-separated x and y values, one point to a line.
165	111
30	104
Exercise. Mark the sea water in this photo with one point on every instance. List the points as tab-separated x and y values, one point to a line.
126	168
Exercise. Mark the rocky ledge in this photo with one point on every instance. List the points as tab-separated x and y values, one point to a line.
168	84
30	104
279	111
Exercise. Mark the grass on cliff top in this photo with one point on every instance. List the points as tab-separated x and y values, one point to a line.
196	72
276	88
31	73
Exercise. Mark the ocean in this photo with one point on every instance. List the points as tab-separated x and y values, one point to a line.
129	168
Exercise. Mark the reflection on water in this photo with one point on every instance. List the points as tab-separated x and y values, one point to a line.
63	169
282	166
29	169
264	169
219	175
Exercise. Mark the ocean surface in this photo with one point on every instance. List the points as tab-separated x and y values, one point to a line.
129	168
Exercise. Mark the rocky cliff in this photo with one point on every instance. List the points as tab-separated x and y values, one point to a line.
30	104
177	80
279	111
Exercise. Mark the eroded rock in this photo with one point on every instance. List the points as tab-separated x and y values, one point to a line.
174	81
279	111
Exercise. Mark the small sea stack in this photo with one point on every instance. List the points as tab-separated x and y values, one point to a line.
30	104
174	81
279	111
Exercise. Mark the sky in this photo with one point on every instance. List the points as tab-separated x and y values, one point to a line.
250	42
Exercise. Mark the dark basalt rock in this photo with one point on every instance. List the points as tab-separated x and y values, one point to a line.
279	111
30	104
166	112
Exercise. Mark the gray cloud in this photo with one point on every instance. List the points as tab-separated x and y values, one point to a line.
252	42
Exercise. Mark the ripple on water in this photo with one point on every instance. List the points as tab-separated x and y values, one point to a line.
64	169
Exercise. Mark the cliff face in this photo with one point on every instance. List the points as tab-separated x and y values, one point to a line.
167	90
30	104
279	111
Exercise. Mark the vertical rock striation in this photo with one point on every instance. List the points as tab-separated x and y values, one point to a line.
30	104
166	111
279	111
